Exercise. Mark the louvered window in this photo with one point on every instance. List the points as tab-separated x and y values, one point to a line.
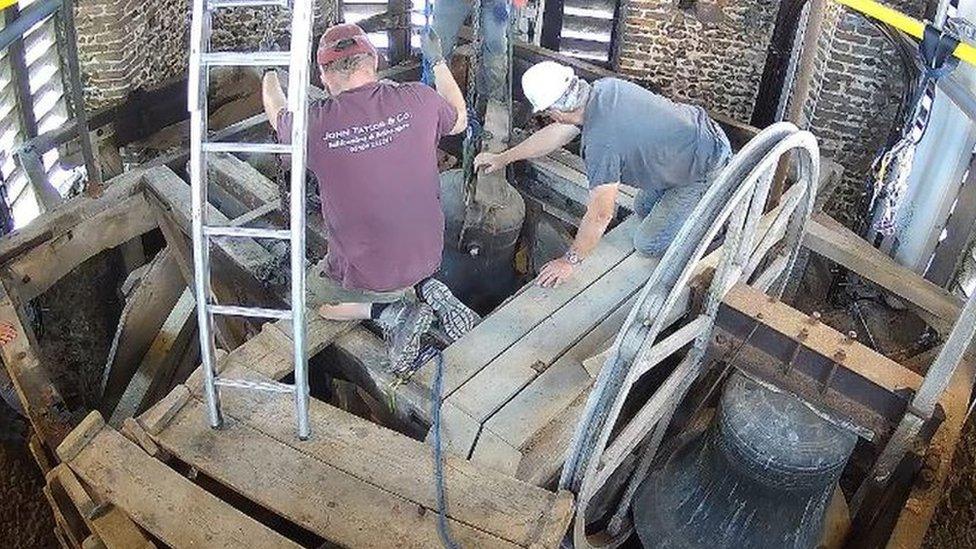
47	112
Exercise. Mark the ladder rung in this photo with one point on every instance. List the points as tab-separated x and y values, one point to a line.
248	232
214	4
272	386
246	58
253	312
271	148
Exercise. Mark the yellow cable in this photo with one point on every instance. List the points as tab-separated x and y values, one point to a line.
904	23
7	3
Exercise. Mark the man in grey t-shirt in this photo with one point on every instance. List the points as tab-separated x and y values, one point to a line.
670	151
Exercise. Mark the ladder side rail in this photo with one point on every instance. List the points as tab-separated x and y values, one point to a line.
197	105
301	40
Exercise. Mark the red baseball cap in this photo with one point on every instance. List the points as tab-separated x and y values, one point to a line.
342	41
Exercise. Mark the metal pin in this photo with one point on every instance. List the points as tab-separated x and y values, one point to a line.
814	318
851	337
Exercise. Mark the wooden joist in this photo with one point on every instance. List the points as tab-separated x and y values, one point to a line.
142	318
41	400
56	223
827	237
178	512
822	339
113	528
37	269
572	183
160	360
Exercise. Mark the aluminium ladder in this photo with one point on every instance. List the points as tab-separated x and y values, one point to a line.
297	61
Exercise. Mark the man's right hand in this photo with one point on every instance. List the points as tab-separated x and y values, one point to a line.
491	162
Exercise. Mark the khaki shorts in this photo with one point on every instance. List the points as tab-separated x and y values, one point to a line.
321	289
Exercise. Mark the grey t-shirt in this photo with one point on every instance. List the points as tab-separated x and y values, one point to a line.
634	136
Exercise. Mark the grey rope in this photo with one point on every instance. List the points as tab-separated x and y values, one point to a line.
435	402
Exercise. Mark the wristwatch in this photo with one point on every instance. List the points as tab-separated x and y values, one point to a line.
572	257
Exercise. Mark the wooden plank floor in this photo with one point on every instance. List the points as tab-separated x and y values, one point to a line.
168	505
352	477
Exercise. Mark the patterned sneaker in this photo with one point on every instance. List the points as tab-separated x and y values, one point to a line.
403	324
454	316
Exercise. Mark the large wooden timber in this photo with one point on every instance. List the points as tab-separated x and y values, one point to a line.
166	504
142	317
827	237
356	475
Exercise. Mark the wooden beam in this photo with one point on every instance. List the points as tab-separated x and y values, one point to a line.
65	513
822	339
35	271
242	272
175	510
827	237
493	503
41	400
114	529
299	486
928	487
505	327
229	332
50	225
142	317
159	361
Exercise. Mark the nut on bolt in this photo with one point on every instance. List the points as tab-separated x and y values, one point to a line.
840	355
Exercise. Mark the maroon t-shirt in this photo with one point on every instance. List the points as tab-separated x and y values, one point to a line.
373	150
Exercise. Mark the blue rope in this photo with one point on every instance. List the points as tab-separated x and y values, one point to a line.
427	71
435	401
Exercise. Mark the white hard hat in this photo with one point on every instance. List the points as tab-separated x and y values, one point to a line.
544	83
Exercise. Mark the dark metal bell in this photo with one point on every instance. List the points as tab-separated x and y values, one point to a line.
760	476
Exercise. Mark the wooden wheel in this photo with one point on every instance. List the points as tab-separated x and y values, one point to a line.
758	249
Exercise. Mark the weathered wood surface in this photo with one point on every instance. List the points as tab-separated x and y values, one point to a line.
822	339
522	423
507	325
169	506
41	400
570	182
35	270
494	508
115	530
160	360
832	240
56	223
142	318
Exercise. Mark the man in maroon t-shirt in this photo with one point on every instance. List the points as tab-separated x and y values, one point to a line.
373	148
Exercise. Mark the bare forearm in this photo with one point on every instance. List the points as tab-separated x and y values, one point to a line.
590	231
542	142
272	97
448	88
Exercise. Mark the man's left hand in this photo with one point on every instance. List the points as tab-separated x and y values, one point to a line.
555	273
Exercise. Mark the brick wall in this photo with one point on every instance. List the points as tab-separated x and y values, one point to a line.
125	45
857	86
716	65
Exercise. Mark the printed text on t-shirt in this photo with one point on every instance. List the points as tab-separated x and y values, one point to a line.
368	136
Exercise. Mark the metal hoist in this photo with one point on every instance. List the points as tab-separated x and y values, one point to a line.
297	61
